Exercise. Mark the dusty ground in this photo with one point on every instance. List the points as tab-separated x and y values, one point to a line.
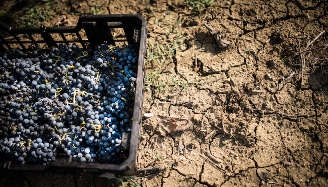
252	114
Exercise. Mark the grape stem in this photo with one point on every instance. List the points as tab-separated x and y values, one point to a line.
21	143
57	60
66	76
84	54
78	108
58	90
83	93
64	135
111	48
82	125
29	142
97	128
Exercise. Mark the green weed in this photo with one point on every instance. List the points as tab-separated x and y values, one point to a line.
95	10
179	85
197	5
33	15
161	58
158	156
285	59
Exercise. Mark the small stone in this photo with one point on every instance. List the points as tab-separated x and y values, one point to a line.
181	147
148	115
268	77
198	118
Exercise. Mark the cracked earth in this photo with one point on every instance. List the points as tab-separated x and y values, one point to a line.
251	114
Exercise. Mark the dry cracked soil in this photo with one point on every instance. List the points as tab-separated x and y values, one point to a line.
254	113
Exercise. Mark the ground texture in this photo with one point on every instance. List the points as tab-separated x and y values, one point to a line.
254	113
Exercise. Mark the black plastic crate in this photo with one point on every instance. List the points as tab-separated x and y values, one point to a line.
97	29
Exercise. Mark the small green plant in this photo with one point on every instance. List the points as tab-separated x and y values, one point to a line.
285	59
158	156
95	10
161	57
179	84
34	14
121	181
197	5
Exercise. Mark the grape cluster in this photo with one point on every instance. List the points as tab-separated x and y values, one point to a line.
66	101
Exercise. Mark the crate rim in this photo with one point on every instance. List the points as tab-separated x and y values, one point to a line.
128	166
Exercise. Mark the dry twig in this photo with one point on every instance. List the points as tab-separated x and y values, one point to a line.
310	43
302	62
210	156
210	135
212	163
304	58
181	144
